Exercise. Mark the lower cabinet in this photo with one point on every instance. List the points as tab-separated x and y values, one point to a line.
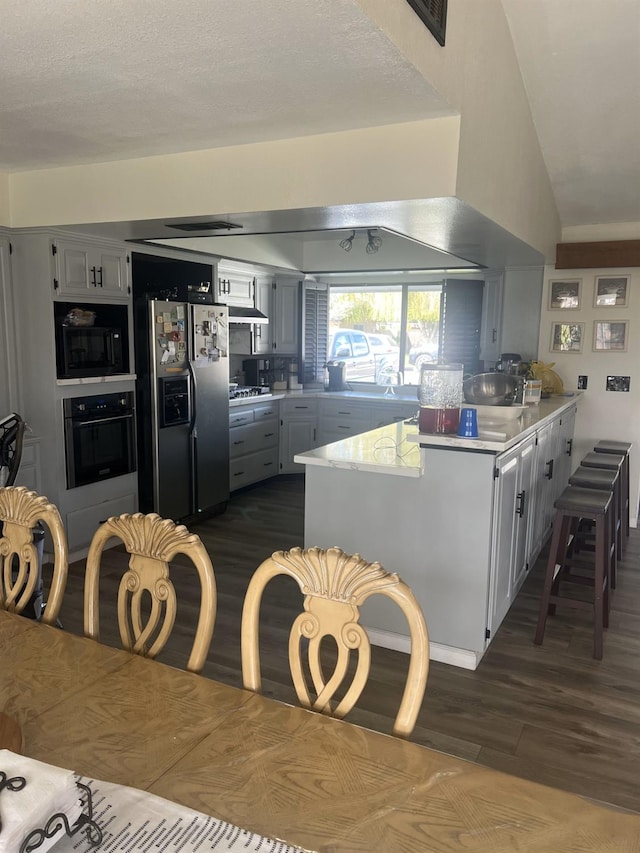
253	443
340	419
513	502
528	479
81	524
298	431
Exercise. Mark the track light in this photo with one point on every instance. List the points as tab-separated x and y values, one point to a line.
347	243
373	243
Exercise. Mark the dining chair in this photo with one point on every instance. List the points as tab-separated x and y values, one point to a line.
21	572
146	605
335	585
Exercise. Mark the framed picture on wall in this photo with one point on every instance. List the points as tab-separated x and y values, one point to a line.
567	337
564	293
610	336
611	291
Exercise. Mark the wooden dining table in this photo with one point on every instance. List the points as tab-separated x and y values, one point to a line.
277	770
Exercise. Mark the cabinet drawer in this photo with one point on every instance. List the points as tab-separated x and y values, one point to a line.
238	417
299	407
83	523
265	412
252	437
344	409
253	468
344	425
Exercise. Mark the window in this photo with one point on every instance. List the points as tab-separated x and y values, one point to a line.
380	331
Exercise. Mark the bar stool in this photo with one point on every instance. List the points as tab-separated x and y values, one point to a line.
603	480
610	462
572	505
622	448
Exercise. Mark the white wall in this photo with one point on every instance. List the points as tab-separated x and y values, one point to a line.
488	156
601	413
4	199
501	171
403	161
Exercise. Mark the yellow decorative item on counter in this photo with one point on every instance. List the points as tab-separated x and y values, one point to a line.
551	382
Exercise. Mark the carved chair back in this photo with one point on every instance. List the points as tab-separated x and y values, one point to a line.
20	575
335	585
146	596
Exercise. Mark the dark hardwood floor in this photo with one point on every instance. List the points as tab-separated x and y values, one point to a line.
548	713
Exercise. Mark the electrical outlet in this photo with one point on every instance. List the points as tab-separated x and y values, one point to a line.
618	383
582	383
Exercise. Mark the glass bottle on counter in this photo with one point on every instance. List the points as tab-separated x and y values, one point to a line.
440	396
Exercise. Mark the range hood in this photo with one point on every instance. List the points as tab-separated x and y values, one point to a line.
238	314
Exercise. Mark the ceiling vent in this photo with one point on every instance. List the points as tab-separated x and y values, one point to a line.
433	13
213	225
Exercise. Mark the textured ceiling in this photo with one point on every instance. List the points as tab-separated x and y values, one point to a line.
85	81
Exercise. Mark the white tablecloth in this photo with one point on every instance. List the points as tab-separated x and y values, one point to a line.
133	821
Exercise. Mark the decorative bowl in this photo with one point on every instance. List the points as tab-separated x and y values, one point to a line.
490	389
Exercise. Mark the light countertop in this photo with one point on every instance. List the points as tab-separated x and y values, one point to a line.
394	449
406	395
496	434
386	450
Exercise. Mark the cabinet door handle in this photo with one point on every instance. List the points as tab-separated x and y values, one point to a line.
100	271
93	277
238	442
520	498
268	434
549	474
494	336
569	446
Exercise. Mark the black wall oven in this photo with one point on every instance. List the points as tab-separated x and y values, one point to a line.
99	437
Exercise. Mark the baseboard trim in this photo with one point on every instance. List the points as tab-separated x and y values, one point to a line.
462	658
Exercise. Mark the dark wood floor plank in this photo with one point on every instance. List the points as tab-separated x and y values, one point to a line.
549	713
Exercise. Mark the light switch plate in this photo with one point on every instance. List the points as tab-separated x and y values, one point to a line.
618	383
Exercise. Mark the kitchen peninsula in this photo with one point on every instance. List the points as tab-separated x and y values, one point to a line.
460	520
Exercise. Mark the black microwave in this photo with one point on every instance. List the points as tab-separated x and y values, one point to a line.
91	341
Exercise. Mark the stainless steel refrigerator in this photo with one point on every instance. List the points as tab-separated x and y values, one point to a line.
182	361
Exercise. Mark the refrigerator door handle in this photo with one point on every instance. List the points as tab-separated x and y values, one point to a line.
192	397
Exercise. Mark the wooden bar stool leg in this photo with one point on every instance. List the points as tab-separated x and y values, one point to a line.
557	554
600	587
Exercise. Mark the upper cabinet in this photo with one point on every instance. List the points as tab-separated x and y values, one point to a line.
234	285
262	342
491	328
280	301
285	317
90	270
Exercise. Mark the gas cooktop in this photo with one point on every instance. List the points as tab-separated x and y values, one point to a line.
249	391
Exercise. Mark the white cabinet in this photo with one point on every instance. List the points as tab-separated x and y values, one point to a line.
253	443
546	482
9	361
298	430
89	270
285	317
491	327
261	340
512	516
340	419
82	523
234	285
565	464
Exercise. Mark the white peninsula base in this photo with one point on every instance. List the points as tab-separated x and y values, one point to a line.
445	518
